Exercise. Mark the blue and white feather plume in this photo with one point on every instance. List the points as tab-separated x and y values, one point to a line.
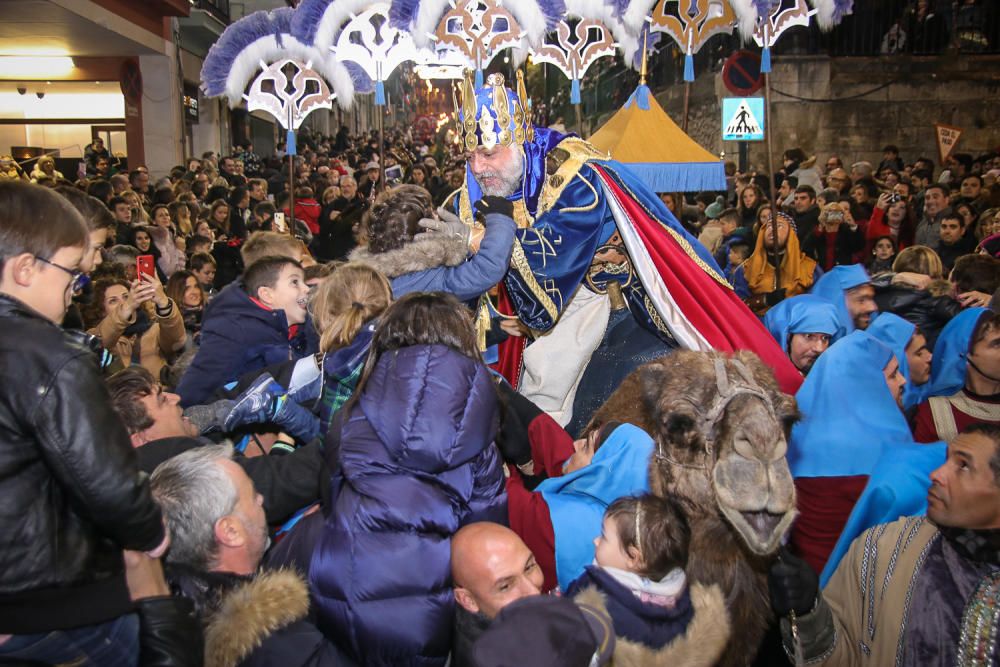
266	37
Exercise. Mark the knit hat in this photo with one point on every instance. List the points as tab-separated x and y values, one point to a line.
715	209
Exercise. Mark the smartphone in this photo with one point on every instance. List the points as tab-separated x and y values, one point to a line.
393	173
144	265
279	222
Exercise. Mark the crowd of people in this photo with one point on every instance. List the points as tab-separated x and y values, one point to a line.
239	430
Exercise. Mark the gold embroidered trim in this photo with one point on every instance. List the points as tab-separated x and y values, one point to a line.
981	411
579	152
521	265
522	218
655	316
465	206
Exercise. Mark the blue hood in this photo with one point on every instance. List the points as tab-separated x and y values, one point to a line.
951	353
848	414
896	333
806	313
834	283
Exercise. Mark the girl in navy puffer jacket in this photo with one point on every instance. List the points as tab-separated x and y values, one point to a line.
413	460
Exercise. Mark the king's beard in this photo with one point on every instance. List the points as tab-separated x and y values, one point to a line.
505	181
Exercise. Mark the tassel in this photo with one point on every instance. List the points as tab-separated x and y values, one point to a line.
689	67
765	61
379	94
479	79
574	92
290	143
482	322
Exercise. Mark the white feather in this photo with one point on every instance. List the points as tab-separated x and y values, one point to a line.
824	13
746	17
336	15
529	16
428	17
246	64
635	16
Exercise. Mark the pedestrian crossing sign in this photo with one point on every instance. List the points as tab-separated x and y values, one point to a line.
743	119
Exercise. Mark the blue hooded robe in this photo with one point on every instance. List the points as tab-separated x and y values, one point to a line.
834	283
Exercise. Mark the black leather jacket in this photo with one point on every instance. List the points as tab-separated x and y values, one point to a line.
72	495
929	313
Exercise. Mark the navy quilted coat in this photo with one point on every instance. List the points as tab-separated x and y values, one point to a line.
417	461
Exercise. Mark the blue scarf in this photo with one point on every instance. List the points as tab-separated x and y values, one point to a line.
800	315
951	353
849	415
834	283
577	501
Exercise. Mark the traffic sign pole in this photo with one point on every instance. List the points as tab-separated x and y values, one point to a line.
769	129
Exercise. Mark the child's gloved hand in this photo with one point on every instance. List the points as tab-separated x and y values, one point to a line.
448	224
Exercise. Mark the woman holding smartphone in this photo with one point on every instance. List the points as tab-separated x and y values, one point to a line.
136	322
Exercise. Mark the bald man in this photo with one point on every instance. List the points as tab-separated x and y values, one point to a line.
490	567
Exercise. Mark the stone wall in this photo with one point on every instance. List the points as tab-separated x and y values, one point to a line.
880	101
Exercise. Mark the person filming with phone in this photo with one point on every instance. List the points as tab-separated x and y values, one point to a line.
836	239
137	321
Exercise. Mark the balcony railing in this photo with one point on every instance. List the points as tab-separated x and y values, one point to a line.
217	8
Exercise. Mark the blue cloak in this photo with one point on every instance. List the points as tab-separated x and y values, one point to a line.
834	283
577	501
849	414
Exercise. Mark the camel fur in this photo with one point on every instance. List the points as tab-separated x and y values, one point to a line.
721	428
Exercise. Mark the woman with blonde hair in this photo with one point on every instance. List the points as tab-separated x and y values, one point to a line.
45	167
919	259
917	292
139	215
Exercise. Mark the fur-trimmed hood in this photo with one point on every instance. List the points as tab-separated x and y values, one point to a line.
701	645
419	255
249	613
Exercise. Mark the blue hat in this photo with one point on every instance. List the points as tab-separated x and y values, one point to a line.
802	314
832	285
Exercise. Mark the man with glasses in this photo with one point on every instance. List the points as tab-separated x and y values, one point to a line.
839	181
73	496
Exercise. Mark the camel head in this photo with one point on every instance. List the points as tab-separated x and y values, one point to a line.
721	426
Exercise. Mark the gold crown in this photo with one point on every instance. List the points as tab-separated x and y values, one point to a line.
501	121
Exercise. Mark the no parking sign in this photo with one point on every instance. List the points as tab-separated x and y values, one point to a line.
741	73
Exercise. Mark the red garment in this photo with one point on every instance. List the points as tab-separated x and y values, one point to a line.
308	211
924	429
511	350
829	246
824	504
878	226
527	511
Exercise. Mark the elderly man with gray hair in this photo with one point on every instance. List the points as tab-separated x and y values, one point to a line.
219	536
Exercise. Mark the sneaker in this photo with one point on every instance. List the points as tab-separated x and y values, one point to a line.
258	404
